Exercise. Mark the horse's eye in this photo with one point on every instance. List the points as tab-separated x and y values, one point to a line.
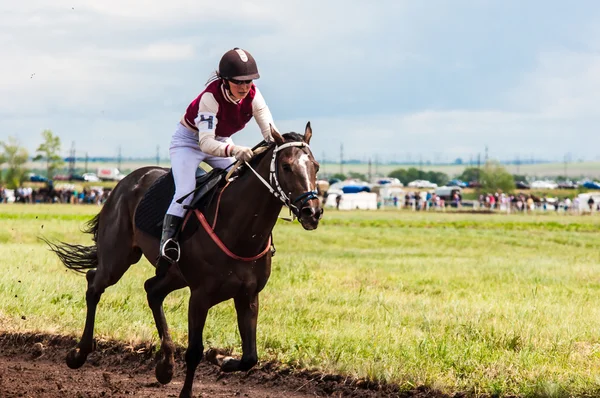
287	167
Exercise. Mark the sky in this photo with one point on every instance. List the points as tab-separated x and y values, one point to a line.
389	80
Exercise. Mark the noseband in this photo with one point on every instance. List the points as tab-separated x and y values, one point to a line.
275	188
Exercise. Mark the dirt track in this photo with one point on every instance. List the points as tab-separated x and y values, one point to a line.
33	366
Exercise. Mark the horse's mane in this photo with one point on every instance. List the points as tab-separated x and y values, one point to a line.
287	137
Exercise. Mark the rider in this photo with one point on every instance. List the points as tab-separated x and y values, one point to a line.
228	102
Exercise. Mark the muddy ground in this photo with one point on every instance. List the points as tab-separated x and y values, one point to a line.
32	365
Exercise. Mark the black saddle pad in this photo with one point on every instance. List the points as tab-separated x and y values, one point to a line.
151	211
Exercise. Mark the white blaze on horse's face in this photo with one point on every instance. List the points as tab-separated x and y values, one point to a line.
303	162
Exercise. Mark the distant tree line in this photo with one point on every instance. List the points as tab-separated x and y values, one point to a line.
13	158
491	177
407	175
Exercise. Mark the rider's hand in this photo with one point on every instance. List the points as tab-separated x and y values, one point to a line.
242	153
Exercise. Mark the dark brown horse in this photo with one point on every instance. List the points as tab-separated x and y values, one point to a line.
243	217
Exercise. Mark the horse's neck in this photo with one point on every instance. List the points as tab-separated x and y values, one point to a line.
247	208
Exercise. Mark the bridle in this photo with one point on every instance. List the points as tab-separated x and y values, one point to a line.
274	186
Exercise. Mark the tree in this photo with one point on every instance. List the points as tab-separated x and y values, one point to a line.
356	175
470	174
339	176
494	177
437	177
2	161
406	176
15	157
519	177
49	151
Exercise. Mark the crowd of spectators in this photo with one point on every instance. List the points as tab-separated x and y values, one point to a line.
521	202
422	201
66	193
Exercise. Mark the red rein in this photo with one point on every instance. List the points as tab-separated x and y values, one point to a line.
211	232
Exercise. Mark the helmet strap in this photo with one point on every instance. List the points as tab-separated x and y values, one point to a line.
228	89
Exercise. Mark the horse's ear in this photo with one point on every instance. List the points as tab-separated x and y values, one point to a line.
276	136
307	133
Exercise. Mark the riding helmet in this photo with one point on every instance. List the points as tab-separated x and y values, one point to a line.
238	64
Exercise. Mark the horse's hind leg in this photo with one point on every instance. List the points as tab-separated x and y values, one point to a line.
77	356
198	310
111	268
157	288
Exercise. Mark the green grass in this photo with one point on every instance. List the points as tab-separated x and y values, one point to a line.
487	304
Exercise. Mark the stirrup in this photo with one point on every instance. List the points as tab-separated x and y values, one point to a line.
163	250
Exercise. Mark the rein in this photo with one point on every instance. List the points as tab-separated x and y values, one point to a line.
210	230
219	242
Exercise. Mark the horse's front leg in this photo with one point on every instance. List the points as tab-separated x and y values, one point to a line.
157	288
246	306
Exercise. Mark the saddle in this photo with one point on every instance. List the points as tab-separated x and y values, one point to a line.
150	213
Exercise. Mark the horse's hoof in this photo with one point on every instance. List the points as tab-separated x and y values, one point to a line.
164	372
75	359
185	394
230	364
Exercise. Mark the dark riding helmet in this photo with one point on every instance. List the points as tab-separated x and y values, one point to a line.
238	64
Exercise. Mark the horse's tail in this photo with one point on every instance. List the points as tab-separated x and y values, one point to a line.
78	257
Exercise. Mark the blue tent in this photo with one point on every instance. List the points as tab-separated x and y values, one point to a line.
355	188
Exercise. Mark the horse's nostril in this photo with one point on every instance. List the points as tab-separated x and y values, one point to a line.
307	212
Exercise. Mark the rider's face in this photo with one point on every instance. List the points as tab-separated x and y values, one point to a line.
240	89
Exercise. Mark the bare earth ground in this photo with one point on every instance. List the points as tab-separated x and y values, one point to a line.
32	365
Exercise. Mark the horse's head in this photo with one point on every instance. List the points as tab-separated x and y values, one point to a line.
294	175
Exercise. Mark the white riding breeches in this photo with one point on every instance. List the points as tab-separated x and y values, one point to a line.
185	158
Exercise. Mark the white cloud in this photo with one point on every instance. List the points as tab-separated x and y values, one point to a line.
564	84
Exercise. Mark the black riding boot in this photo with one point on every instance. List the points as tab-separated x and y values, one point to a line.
169	247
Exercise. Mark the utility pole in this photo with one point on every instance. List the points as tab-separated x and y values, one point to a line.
486	154
518	164
86	162
119	159
369	175
72	158
342	158
478	166
158	155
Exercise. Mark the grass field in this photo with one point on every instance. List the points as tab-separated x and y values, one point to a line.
486	304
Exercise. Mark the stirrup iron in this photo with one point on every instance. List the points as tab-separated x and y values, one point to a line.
163	250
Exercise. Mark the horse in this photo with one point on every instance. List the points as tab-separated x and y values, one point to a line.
228	258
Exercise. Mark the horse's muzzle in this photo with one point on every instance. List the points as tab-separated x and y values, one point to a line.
310	216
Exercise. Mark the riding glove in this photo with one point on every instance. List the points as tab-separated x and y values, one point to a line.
242	153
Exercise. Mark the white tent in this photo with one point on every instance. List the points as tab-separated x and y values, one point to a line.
353	201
